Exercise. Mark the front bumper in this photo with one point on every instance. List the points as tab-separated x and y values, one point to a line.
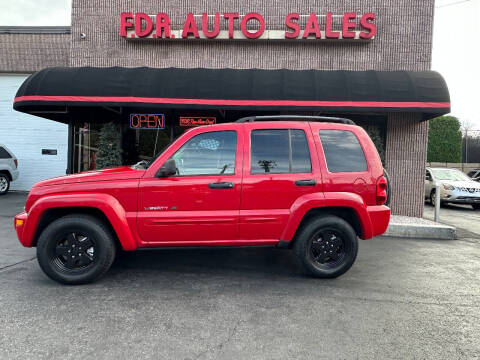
463	200
458	196
20	222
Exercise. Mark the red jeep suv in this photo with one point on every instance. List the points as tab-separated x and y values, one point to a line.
307	183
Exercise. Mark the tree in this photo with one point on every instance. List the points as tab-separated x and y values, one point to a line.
109	147
444	140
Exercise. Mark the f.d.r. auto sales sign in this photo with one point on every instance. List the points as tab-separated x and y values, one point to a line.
233	26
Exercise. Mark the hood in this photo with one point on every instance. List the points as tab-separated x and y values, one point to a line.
461	183
118	173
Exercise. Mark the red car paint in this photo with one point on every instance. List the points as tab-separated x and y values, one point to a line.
262	209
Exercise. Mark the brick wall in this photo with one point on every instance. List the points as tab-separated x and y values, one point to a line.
25	53
403	42
406	153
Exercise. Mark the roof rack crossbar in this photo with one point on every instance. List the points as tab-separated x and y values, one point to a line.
297	118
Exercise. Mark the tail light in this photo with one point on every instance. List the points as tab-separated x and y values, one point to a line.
381	190
16	163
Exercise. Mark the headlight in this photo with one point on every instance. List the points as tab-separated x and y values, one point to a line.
448	187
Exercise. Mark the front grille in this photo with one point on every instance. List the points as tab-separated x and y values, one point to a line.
470	190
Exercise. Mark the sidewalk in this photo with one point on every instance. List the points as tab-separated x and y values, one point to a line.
410	227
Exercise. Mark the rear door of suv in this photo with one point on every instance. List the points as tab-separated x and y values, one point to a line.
280	165
342	152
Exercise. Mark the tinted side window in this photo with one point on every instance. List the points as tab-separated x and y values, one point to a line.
301	162
279	152
211	153
4	154
342	151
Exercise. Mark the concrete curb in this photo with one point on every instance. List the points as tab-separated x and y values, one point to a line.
416	228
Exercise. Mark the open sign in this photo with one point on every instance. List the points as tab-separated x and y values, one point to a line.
147	121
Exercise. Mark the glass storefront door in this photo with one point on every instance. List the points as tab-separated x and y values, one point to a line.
136	144
85	146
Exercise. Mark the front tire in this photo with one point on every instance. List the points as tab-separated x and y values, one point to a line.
326	246
476	206
76	249
4	184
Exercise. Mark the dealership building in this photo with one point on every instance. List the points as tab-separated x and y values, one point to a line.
156	68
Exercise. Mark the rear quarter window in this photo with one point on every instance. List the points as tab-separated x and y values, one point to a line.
4	154
343	152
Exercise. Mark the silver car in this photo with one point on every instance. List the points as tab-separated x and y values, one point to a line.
455	187
8	169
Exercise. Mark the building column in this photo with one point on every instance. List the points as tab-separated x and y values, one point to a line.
405	158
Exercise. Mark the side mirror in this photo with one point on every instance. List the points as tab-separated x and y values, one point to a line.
169	168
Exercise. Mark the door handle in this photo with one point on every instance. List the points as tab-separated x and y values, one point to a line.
221	185
310	182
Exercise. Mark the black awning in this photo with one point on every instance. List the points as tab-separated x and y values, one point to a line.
55	93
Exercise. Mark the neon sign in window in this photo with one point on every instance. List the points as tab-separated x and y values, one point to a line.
147	121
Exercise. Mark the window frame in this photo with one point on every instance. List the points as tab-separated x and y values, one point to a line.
290	155
203	133
325	155
474	173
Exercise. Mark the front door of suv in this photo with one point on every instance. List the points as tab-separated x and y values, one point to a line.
279	168
200	204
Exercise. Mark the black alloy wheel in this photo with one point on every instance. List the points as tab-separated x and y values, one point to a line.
76	249
326	246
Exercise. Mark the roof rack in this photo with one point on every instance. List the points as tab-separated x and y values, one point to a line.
296	117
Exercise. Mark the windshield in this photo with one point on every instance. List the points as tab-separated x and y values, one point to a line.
448	174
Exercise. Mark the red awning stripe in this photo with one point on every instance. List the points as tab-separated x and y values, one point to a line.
130	99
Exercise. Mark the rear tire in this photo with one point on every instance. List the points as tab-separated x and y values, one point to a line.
4	183
326	246
76	249
476	206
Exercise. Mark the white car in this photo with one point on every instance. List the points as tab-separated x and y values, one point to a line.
455	187
8	169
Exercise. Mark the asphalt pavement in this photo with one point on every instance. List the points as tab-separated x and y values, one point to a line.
463	217
402	299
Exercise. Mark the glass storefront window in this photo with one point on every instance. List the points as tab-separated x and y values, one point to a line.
136	144
85	146
145	144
